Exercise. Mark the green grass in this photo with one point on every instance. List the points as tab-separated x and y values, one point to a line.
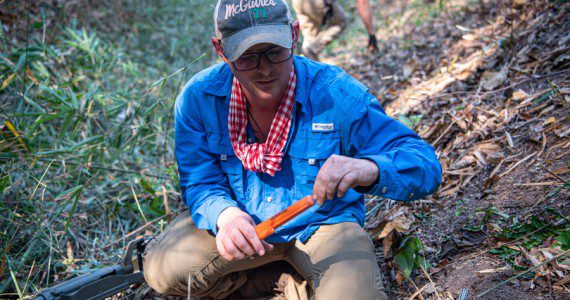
86	144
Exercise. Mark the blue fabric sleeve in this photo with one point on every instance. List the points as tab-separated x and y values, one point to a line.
408	166
206	190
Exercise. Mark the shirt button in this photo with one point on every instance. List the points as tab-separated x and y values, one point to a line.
384	189
269	199
249	140
411	195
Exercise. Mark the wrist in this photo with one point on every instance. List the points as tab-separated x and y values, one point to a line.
227	215
372	172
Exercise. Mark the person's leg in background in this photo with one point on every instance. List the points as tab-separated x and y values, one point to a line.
335	23
310	15
338	262
321	22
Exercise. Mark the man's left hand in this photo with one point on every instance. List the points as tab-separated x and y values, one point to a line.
340	173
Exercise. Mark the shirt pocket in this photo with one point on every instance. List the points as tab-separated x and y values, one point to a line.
307	158
229	163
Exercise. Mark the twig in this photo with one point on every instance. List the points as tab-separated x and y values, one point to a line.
552	173
138	204
516	165
547	183
418	292
431	281
415	286
443	134
143	227
520	274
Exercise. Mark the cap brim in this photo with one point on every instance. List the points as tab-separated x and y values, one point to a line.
236	44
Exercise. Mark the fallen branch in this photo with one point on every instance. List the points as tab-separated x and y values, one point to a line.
546	183
516	165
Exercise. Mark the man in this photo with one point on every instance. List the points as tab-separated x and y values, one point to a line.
322	21
260	131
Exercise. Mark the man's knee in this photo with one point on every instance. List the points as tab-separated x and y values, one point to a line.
167	271
181	250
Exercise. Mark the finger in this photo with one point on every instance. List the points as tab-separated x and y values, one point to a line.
232	250
331	186
318	189
267	246
346	183
241	242
252	238
221	249
320	186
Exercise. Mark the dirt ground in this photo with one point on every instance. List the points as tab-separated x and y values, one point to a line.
486	83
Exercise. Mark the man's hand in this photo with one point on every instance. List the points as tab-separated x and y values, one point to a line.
236	238
339	173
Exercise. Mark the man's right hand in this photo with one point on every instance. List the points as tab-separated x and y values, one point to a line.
236	238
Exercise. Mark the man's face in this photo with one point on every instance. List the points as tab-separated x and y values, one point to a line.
267	82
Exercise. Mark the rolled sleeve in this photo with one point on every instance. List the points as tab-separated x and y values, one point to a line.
206	214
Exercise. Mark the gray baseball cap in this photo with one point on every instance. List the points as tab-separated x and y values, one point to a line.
244	23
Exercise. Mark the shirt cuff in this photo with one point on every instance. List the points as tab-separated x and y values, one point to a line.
388	181
212	209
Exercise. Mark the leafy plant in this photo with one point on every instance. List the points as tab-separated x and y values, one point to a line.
409	256
530	233
564	239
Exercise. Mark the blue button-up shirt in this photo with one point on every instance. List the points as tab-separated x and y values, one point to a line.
333	114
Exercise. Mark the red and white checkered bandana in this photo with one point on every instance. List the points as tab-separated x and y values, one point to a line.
264	157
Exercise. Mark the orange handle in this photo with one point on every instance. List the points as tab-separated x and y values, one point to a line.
268	227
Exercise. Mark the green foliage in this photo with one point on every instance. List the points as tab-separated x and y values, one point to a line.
509	255
531	233
409	255
412	121
82	122
564	239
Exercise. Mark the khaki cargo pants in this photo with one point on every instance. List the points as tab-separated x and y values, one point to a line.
311	14
337	262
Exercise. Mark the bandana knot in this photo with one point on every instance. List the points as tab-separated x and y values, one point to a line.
261	157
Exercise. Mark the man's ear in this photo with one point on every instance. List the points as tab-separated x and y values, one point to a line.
218	46
295	33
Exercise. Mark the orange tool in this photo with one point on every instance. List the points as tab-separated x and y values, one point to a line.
268	227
